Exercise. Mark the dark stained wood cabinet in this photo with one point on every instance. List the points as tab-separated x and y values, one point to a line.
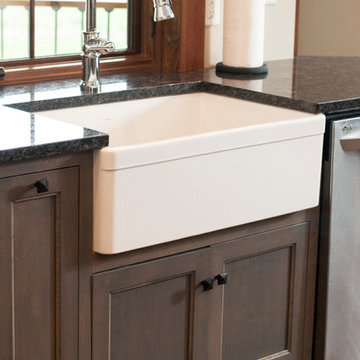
155	310
159	309
264	298
39	260
61	301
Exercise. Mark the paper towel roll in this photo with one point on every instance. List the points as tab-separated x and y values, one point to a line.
244	33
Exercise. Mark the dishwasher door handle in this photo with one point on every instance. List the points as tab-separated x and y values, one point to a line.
349	144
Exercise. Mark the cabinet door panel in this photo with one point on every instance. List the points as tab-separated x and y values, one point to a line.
38	238
263	311
150	311
34	278
132	308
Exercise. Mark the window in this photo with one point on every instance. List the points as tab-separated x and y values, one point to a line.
46	29
41	39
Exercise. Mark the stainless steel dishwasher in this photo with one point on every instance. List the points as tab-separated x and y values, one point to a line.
338	306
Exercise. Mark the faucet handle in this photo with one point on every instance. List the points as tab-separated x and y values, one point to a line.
102	46
109	46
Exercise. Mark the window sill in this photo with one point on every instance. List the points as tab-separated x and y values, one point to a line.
72	69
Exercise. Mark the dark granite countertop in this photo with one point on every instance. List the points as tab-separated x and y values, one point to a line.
310	84
27	136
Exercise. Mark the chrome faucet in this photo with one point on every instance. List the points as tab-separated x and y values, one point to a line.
94	46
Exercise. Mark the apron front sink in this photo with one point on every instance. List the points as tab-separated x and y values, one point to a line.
185	165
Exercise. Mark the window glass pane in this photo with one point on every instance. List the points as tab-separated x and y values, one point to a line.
59	25
69	36
112	21
44	30
14	29
57	28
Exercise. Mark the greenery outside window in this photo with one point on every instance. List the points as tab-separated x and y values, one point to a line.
49	33
39	29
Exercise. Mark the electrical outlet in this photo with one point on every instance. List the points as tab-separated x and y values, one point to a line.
212	12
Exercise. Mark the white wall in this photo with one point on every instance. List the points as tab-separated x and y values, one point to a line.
329	27
279	34
214	41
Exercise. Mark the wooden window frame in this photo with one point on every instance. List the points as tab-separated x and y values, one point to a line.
134	38
168	45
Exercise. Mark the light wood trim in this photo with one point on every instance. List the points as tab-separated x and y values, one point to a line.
297	20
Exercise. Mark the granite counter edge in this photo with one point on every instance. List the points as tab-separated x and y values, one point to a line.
51	149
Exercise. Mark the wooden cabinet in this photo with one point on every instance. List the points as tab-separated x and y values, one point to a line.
39	260
264	298
159	309
155	310
61	301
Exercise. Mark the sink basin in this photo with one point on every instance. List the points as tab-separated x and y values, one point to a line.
185	165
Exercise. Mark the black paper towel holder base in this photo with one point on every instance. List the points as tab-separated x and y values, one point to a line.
261	70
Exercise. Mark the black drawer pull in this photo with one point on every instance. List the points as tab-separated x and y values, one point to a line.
221	278
207	284
42	186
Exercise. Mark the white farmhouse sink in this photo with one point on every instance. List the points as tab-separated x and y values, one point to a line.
189	164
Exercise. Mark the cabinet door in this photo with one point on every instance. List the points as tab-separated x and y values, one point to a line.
39	267
156	310
264	298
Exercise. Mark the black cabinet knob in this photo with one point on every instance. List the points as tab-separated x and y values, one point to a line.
42	186
207	284
221	278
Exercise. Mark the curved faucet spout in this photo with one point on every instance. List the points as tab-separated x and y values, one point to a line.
94	46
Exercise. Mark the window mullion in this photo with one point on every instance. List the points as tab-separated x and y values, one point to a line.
32	29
